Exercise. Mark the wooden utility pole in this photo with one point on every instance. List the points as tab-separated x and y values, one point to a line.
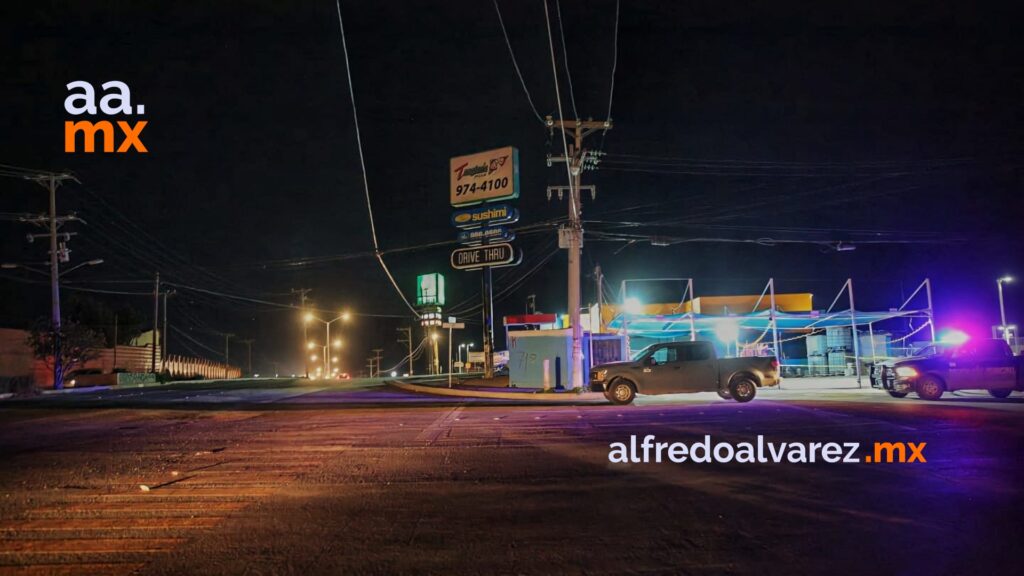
407	340
305	335
163	337
58	254
227	353
248	344
377	353
571	235
156	321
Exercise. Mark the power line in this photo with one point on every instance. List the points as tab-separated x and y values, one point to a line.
515	64
561	117
615	65
565	58
362	164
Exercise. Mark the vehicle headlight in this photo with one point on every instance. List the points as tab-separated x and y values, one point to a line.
599	375
906	372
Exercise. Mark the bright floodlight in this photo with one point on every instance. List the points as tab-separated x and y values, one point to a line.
337	343
313	357
953	336
433	336
393	373
1006	279
310	346
633	305
345	316
727	330
308	317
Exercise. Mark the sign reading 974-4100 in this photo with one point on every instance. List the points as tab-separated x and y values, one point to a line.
485	176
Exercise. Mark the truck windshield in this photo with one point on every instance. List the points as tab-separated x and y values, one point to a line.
932	350
643	352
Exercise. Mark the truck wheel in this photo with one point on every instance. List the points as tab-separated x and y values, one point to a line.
1000	393
742	389
930	388
896	394
724	394
621	391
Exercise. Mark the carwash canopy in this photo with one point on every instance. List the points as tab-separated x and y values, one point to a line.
676	325
773	319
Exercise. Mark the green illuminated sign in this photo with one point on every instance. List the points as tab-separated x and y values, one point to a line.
430	290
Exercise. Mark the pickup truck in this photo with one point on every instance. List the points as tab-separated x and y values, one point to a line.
676	367
975	365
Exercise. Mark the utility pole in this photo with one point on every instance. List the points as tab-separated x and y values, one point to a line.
227	353
599	278
248	343
578	160
163	337
377	352
407	340
305	336
156	321
58	253
487	313
114	369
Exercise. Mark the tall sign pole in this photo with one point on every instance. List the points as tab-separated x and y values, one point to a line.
571	235
480	185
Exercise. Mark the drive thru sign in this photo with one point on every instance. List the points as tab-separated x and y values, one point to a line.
481	256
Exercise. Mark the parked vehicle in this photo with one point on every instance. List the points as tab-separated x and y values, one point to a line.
975	365
677	367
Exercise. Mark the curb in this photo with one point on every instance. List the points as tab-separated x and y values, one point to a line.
540	398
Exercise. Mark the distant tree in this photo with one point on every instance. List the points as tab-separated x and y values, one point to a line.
100	314
78	344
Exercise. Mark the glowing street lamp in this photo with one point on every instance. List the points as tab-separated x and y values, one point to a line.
344	316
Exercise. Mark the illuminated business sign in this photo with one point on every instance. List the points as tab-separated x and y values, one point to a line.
430	290
486	215
485	235
490	255
484	176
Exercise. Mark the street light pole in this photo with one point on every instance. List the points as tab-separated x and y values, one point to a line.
1002	308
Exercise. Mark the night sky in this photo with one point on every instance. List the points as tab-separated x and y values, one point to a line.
792	121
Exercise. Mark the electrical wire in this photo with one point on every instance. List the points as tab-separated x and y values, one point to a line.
565	58
561	117
362	164
181	332
515	63
615	65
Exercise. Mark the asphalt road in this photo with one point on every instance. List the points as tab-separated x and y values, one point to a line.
272	479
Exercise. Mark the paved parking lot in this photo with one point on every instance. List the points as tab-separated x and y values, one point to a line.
282	479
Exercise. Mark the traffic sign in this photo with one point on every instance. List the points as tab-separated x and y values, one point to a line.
483	256
486	234
486	215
